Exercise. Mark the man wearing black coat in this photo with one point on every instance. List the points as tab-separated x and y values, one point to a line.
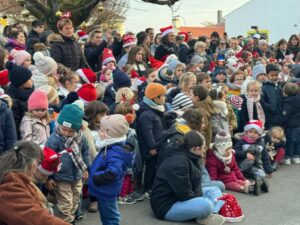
34	35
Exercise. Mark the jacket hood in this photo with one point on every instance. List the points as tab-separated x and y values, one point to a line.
55	38
206	104
221	107
125	151
3	105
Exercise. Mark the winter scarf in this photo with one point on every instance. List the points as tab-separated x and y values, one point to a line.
260	112
248	140
106	142
226	160
153	105
15	44
74	143
170	48
21	94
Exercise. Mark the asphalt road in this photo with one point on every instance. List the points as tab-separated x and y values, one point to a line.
279	207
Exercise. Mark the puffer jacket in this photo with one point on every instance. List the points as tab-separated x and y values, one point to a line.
92	54
8	134
108	169
66	51
33	129
68	171
32	39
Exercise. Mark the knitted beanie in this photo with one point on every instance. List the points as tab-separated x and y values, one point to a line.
87	93
236	101
19	56
87	75
115	126
120	79
71	116
17	75
257	70
222	142
38	100
45	64
196	59
50	91
154	90
173	64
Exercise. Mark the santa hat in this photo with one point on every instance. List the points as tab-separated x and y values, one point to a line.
254	124
51	163
82	35
108	56
87	93
129	40
166	30
4	78
183	34
87	75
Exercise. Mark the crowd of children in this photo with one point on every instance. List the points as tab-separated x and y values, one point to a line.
114	109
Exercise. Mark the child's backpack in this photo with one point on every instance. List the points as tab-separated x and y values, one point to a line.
231	210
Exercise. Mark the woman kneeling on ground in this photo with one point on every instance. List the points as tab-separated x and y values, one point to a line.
176	192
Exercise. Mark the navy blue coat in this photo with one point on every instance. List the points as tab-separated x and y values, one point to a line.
184	54
92	53
107	171
150	126
272	103
8	134
109	95
241	154
291	112
164	50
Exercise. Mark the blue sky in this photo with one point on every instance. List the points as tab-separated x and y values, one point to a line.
193	12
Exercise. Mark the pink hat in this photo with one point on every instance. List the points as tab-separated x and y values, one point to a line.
87	75
129	40
51	163
87	93
254	124
19	56
166	30
38	100
108	56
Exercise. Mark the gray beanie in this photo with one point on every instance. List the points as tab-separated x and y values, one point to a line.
173	64
45	64
258	69
196	59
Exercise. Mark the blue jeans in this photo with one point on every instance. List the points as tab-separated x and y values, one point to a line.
199	207
109	212
207	182
292	147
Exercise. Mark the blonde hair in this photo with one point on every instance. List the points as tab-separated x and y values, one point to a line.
184	80
198	44
124	92
63	22
254	83
277	130
46	117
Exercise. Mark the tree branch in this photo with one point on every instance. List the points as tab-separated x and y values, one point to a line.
162	2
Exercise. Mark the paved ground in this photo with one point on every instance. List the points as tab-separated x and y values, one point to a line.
279	207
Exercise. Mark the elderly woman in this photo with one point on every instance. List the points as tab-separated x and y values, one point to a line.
20	199
200	50
17	40
177	194
66	50
167	45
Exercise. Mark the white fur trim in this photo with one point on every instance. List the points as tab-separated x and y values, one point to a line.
82	75
167	32
129	44
84	37
44	171
109	59
250	126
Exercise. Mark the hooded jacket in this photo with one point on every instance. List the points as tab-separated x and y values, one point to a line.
291	112
66	51
177	179
8	135
108	169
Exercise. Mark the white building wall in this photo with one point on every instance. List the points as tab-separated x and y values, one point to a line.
281	18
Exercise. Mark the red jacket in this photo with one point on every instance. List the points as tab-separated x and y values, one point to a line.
216	168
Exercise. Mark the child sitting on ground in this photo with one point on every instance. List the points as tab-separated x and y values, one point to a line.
275	143
221	165
251	154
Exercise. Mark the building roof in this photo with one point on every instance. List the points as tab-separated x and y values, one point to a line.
203	31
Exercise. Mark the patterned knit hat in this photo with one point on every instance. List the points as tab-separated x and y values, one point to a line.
45	64
17	75
87	75
129	40
254	124
154	90
115	126
236	101
19	56
71	116
38	100
222	142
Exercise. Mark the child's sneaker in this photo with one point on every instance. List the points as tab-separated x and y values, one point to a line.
256	187
93	207
212	219
295	160
136	196
287	161
265	185
147	194
79	217
127	200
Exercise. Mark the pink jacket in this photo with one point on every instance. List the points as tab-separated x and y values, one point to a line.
216	168
35	130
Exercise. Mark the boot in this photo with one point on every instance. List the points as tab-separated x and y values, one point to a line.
265	185
275	166
256	187
73	223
